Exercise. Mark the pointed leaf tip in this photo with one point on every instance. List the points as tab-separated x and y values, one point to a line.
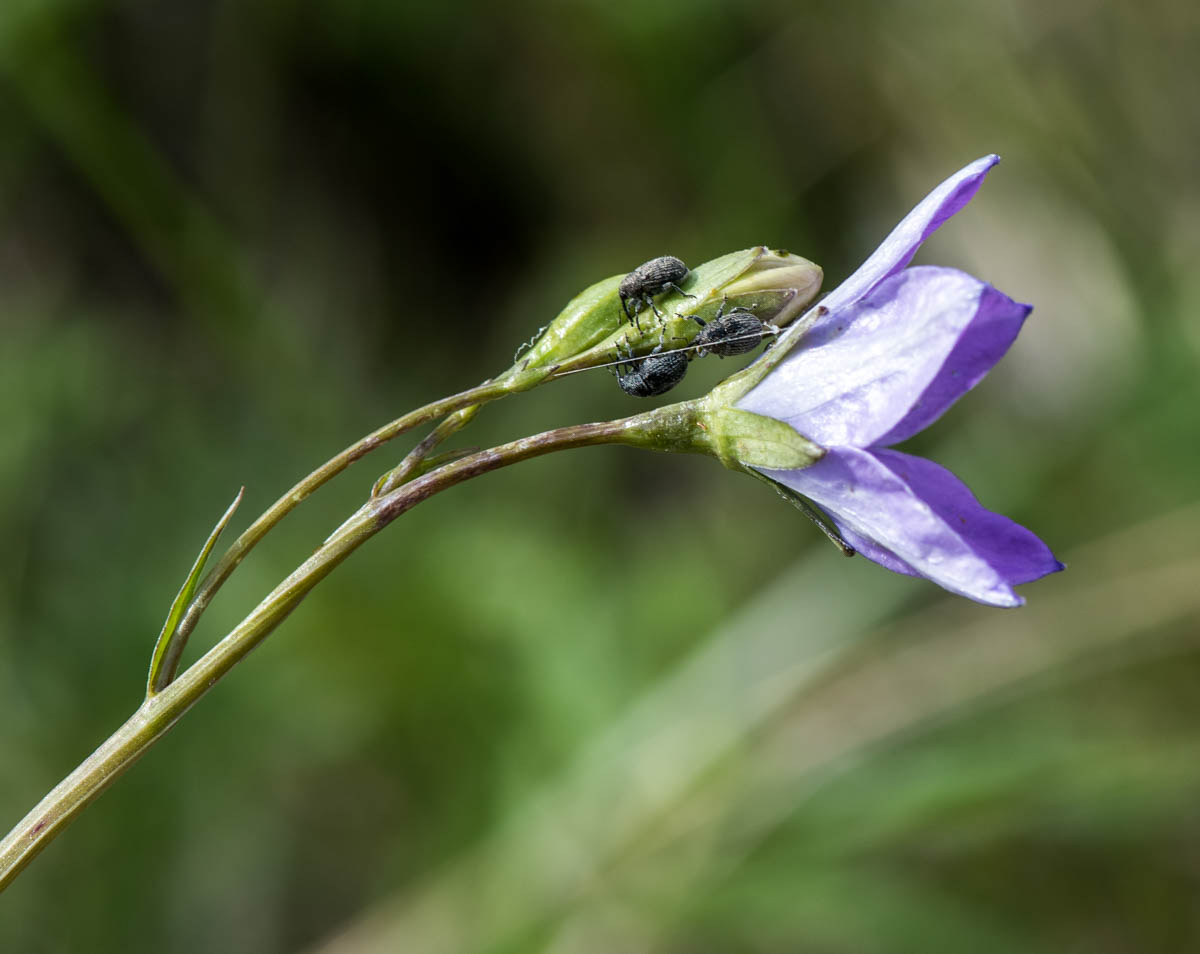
167	649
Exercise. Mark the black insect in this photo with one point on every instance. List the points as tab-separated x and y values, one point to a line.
654	374
649	279
726	335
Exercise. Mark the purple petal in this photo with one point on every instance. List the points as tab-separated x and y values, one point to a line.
912	515
893	362
901	245
875	553
983	342
1010	549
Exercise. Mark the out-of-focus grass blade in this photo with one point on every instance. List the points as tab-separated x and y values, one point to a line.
853	909
160	673
789	719
586	822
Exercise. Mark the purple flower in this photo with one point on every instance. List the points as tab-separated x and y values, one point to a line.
887	353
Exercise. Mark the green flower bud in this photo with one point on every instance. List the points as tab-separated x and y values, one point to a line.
774	285
590	328
776	288
590	317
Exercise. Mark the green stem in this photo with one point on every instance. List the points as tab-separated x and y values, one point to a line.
488	391
418	461
161	711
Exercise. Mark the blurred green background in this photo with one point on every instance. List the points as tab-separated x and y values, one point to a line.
605	701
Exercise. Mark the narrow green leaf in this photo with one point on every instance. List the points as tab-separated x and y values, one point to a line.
160	674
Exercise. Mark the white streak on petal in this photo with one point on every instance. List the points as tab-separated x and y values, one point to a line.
854	380
866	497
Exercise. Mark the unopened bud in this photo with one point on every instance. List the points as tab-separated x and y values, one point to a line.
775	286
590	317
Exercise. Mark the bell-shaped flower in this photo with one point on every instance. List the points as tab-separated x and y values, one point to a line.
881	358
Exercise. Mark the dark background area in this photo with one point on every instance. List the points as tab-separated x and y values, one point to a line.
605	701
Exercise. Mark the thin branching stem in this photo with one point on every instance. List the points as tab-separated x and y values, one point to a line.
161	711
221	570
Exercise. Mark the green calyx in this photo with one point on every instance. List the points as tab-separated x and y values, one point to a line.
741	440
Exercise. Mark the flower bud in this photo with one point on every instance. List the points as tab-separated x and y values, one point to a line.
590	317
776	288
773	285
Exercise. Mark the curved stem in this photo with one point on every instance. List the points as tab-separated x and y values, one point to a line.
417	462
488	391
159	712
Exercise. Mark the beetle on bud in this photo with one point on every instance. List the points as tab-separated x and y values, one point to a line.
649	279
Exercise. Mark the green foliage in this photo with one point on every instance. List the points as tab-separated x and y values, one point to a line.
161	664
606	701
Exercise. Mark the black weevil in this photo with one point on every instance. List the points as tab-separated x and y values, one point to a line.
729	334
654	374
649	279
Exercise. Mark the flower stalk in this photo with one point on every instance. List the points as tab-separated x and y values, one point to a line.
170	649
162	709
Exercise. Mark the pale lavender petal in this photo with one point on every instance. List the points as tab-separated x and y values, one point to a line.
901	245
864	546
990	334
1009	548
911	514
892	362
